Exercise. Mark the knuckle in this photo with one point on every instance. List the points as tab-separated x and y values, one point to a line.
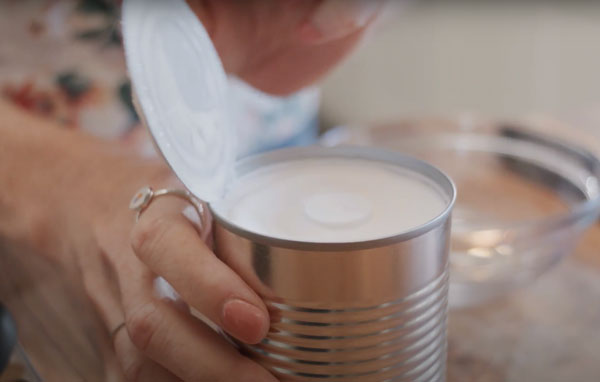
40	233
142	325
133	370
148	234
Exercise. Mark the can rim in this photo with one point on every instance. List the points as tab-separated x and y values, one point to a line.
431	172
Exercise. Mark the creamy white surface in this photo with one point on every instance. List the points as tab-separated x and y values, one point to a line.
331	200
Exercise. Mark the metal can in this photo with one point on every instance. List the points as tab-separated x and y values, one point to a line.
369	311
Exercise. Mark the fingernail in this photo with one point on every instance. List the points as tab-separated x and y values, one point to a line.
337	18
244	321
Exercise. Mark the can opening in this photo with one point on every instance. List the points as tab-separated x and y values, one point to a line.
324	195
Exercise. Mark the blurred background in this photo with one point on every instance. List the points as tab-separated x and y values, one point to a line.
499	59
504	59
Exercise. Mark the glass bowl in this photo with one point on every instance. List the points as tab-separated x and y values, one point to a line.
524	199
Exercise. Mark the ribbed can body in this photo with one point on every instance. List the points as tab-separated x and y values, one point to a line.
352	312
400	340
354	316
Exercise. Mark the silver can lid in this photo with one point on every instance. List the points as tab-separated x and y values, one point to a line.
180	91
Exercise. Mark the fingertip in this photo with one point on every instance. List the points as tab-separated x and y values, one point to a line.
246	322
336	19
308	33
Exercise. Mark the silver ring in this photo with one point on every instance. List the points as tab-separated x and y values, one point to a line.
142	199
115	331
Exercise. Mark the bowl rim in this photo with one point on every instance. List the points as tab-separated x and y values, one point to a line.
581	214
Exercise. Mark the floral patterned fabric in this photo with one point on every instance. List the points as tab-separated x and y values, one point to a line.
63	60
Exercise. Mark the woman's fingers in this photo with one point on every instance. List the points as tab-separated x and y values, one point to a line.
185	346
190	349
170	246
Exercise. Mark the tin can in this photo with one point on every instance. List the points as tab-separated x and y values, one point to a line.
369	311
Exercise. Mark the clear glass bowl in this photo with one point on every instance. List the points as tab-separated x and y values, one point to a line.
524	199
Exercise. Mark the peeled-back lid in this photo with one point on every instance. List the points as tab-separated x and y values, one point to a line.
180	91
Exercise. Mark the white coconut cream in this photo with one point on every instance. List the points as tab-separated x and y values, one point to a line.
331	200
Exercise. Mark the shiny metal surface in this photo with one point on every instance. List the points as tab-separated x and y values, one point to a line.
353	312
